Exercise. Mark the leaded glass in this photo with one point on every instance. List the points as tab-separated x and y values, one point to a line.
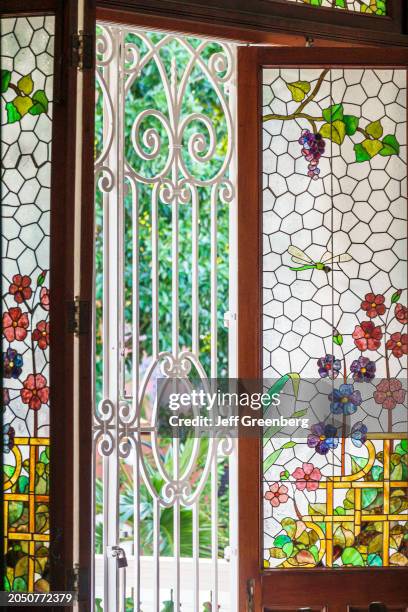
334	326
26	112
369	7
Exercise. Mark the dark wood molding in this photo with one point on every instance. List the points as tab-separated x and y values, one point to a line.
275	16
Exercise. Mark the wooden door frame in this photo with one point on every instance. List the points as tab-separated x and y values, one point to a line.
250	64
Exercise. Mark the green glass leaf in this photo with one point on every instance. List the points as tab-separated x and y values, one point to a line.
338	339
374	560
40	101
351	556
375	129
377	472
396	296
299	90
390	146
5	80
358	463
333	113
289	525
289	444
335	131
25	84
19	585
368	496
361	153
16	509
288	548
339	510
22	104
281	540
351	123
168	606
12	113
372	146
317	509
271	459
402	447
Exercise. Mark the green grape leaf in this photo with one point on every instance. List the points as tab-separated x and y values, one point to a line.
351	556
368	496
351	123
40	103
281	540
361	153
25	84
375	129
289	525
12	113
299	90
333	113
390	146
372	146
335	131
5	80
357	464
22	104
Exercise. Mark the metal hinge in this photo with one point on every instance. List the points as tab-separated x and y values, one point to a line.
78	581
250	595
78	316
82	50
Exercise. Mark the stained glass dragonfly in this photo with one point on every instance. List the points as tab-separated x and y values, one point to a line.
299	257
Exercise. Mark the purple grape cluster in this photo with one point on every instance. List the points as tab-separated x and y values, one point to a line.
313	148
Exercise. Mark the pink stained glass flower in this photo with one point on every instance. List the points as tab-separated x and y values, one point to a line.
373	305
307	477
15	324
398	344
401	313
389	393
20	288
41	334
45	298
367	336
277	494
35	391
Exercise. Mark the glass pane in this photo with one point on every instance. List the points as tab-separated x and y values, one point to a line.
335	316
369	7
26	113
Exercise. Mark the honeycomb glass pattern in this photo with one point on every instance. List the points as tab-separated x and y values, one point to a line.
27	65
335	316
369	7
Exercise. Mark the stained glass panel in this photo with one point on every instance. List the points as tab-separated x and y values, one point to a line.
369	7
335	315
26	113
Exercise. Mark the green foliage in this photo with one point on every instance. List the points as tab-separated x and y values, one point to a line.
23	102
299	90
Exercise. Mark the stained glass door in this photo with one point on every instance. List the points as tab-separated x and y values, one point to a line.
38	110
332	492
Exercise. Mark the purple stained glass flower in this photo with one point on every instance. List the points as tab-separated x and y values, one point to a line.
358	434
344	400
313	147
323	438
329	366
363	369
12	364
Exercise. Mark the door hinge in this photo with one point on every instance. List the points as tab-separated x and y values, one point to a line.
78	316
250	595
78	581
83	50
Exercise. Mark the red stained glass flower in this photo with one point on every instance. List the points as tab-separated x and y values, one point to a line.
389	393
373	305
307	477
15	324
35	392
367	336
41	334
20	288
277	494
45	298
401	313
398	344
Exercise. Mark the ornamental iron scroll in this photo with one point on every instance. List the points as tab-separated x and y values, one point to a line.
164	187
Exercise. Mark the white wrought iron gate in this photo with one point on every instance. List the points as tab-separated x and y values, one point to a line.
165	303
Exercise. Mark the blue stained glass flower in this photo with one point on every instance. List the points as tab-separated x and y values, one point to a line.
329	366
12	363
345	400
358	434
8	437
323	438
363	369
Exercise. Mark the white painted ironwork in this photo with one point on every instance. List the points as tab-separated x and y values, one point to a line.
177	148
